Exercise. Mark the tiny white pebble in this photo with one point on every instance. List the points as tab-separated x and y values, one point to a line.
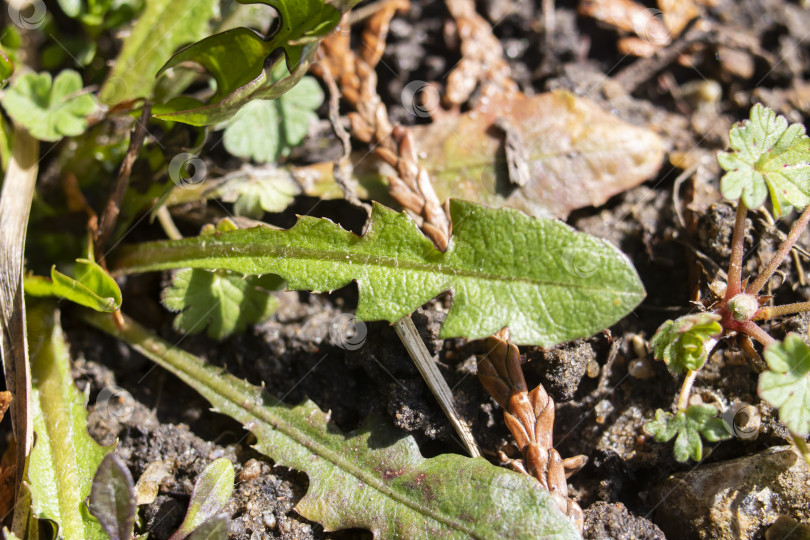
269	520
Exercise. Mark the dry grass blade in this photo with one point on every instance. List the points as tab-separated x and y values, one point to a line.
15	205
530	418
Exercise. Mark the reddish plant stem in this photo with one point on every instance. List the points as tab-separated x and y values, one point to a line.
734	284
750	328
777	311
784	250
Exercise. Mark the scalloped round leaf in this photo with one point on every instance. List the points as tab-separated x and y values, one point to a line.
786	384
768	157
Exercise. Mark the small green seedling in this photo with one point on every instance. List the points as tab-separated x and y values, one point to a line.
113	501
211	491
112	498
769	157
688	424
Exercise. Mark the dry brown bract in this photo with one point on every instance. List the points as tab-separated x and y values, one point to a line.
411	186
530	418
481	57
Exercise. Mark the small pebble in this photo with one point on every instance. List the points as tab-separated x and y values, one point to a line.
696	399
251	470
639	345
641	368
603	409
269	519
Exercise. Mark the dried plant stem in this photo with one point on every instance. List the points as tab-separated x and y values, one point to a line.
15	207
798	227
410	184
342	168
410	337
109	218
734	283
482	59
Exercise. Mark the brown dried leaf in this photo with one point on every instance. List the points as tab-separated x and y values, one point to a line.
676	13
578	154
628	16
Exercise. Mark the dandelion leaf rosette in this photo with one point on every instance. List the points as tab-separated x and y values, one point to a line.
542	279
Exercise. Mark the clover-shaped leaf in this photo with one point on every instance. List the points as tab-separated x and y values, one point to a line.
258	192
768	156
786	384
265	130
49	109
681	343
223	301
688	425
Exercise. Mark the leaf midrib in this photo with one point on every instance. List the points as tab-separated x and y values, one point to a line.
162	258
221	385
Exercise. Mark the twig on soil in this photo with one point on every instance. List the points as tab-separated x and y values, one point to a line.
342	168
644	69
530	418
110	216
410	337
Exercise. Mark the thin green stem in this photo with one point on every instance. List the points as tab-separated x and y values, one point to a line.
686	389
801	444
767	313
734	284
784	250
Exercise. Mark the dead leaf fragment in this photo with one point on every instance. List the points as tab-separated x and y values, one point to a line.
628	16
676	13
578	154
5	403
148	486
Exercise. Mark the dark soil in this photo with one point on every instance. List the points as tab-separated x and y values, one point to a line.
600	413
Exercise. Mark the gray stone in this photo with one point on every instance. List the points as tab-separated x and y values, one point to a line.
735	499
